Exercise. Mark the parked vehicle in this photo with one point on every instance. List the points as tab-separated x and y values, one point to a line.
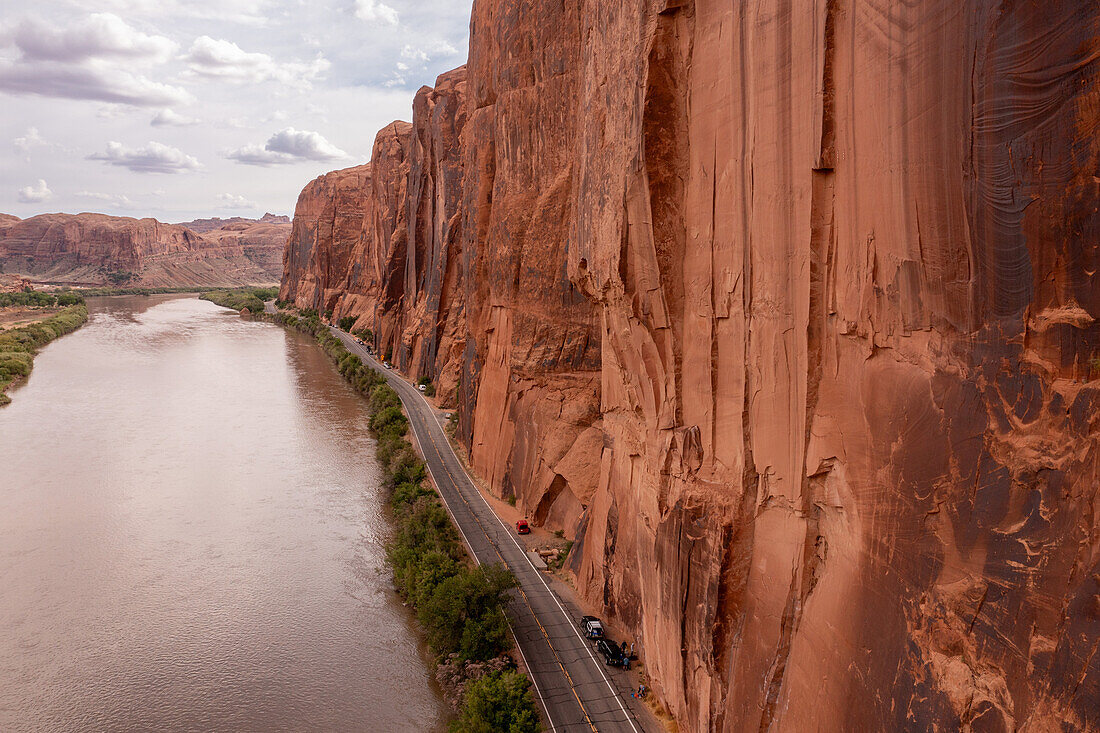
612	654
522	527
421	387
592	627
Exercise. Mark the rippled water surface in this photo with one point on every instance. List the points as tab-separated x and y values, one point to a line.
191	536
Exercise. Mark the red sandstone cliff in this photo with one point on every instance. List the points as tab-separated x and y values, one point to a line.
787	311
90	248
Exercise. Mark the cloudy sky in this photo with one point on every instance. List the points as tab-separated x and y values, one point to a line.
179	109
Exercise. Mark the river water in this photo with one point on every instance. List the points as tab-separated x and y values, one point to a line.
191	536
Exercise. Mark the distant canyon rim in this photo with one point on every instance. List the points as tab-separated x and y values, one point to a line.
95	249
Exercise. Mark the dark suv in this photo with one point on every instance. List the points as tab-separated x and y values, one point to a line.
612	655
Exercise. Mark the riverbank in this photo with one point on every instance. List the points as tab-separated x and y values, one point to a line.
458	604
18	345
240	298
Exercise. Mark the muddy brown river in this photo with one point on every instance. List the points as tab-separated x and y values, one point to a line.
191	536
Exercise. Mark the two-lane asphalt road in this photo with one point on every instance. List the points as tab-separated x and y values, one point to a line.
576	690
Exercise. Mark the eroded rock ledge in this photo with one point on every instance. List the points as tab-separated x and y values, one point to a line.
787	312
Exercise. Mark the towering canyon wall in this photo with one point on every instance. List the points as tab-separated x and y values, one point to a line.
787	312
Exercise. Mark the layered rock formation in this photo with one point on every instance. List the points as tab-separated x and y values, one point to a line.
95	249
214	223
787	312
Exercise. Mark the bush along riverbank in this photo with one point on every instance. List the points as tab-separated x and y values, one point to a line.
240	298
19	345
459	605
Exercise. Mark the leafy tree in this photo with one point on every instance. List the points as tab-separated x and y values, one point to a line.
381	397
464	613
499	703
407	494
389	420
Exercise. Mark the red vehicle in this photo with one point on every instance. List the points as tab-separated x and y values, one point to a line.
522	527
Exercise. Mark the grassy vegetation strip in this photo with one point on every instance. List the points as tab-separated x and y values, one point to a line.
19	345
40	299
240	298
99	292
459	605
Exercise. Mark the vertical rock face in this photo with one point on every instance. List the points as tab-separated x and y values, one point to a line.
530	389
393	259
787	312
330	214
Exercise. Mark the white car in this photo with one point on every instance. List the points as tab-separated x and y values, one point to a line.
421	387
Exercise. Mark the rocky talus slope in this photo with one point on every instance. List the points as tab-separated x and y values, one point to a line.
96	249
787	313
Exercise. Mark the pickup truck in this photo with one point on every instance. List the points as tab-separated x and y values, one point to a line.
612	654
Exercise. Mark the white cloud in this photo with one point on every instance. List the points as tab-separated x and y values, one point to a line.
229	201
91	81
304	144
94	58
246	12
375	11
96	36
288	146
223	60
167	117
28	141
424	55
35	194
413	54
153	158
117	200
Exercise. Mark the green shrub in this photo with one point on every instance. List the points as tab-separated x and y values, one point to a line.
465	614
346	323
240	298
500	702
389	420
41	299
408	493
381	397
388	445
406	468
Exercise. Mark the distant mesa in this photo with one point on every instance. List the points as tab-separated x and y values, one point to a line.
96	249
205	225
